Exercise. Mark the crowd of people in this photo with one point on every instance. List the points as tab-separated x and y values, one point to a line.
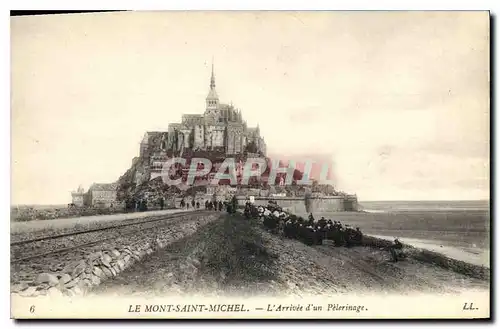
230	206
310	231
214	205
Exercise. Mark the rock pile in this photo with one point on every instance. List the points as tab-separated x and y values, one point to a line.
78	276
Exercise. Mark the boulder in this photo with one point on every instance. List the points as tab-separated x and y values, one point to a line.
95	280
48	278
106	264
72	283
79	269
106	259
121	264
83	285
19	287
95	255
69	268
85	276
44	285
65	278
43	292
54	267
115	253
30	291
107	272
97	271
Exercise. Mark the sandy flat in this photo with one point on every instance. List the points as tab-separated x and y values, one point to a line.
476	256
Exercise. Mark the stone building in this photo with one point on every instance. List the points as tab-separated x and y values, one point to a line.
101	195
78	197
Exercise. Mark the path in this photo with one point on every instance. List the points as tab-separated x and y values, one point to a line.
235	257
59	223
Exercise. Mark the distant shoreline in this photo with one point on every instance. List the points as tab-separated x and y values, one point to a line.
405	206
424	209
63	205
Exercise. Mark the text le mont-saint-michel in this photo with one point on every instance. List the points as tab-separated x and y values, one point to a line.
234	308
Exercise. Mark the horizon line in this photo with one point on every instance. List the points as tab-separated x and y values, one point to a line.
441	200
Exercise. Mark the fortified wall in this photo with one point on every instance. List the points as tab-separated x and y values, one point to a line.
315	204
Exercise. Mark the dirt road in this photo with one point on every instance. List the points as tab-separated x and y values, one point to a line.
46	226
236	257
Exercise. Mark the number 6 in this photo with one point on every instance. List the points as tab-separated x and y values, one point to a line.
32	309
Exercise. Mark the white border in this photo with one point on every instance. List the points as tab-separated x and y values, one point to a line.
188	5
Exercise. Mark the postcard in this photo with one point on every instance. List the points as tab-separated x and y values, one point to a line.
250	165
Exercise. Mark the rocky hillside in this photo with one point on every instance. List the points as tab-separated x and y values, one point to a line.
150	189
126	183
154	189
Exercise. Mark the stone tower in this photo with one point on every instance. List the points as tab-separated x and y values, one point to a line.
212	99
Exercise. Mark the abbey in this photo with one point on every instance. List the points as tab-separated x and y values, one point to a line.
220	128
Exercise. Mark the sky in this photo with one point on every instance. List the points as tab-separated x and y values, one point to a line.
398	101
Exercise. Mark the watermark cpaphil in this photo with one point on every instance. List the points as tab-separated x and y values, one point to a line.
231	171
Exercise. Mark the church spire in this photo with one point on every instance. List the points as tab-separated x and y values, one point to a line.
212	99
212	79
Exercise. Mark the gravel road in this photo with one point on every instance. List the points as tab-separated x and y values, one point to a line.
232	256
35	228
170	228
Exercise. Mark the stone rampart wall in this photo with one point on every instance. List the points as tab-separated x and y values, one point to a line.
107	260
316	204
